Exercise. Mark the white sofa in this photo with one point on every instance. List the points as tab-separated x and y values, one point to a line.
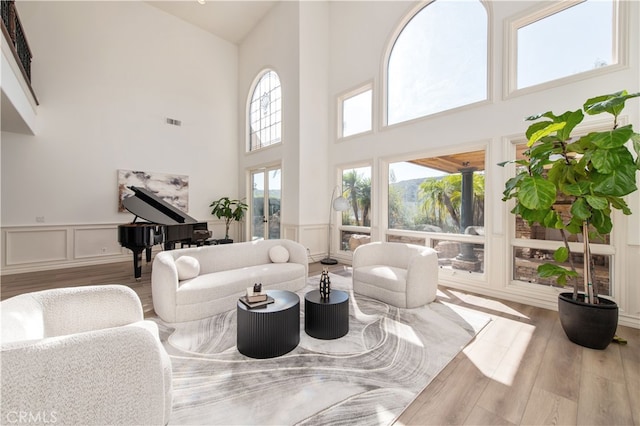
402	275
193	283
84	356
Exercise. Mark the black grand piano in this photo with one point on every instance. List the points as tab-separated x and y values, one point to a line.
165	224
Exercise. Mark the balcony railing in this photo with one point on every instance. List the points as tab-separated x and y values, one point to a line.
12	30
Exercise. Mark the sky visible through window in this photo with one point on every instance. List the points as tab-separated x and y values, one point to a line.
439	61
568	42
356	114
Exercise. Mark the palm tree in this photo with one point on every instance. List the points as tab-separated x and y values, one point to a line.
441	199
364	199
350	187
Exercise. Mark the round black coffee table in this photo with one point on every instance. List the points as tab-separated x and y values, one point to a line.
326	318
272	330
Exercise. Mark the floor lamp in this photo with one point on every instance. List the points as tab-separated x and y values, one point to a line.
338	204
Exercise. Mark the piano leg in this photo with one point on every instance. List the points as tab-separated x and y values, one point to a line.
148	253
137	264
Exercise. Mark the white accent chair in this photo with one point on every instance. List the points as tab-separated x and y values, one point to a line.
82	355
402	275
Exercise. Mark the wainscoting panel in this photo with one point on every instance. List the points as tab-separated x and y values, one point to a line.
290	232
35	245
96	241
314	238
41	248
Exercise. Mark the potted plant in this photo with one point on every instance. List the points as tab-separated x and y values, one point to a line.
593	173
231	210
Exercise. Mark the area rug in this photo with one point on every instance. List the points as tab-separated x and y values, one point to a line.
367	377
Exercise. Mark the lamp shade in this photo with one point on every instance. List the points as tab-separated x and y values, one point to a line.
341	204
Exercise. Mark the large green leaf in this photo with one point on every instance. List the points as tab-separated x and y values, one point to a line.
598	203
561	254
613	138
620	204
576	189
618	183
535	127
547	130
537	193
607	160
552	220
580	209
602	222
531	216
572	119
547	270
613	103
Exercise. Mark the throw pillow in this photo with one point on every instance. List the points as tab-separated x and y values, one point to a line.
188	267
278	254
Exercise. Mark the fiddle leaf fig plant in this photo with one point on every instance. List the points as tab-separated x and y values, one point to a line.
592	172
229	209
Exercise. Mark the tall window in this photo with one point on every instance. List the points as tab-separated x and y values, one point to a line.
265	112
542	39
356	221
438	61
534	245
441	201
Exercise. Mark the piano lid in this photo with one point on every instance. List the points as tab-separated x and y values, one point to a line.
148	206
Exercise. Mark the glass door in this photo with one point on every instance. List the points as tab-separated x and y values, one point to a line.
266	194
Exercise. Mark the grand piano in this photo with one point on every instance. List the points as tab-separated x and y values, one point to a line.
165	225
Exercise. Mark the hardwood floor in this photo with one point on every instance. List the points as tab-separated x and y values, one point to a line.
520	370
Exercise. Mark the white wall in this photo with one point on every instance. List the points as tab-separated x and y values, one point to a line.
107	75
293	40
357	52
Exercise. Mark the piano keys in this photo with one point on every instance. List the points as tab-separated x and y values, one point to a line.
165	225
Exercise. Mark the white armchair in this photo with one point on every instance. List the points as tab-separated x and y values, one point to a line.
402	275
82	355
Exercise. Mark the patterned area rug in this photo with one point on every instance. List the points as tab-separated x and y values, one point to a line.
367	377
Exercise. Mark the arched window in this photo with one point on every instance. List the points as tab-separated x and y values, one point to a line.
438	61
265	112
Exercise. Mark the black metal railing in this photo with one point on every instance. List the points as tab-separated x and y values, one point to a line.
12	29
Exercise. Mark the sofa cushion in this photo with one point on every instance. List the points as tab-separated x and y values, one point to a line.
227	283
387	277
278	254
188	267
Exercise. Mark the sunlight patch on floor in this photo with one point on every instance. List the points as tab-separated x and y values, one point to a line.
481	302
404	332
499	349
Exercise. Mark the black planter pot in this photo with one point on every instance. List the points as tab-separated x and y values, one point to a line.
591	326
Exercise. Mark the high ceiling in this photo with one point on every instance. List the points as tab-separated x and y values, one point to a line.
231	20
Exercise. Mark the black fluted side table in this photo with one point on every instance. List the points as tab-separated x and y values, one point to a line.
272	330
326	319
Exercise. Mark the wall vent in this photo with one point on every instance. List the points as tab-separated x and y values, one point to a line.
174	122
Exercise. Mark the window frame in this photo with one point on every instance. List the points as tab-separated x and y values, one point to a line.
609	249
254	86
428	237
510	52
341	169
340	110
384	68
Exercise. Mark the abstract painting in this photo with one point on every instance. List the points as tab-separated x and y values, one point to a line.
174	189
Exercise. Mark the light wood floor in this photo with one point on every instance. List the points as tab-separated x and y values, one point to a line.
519	370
